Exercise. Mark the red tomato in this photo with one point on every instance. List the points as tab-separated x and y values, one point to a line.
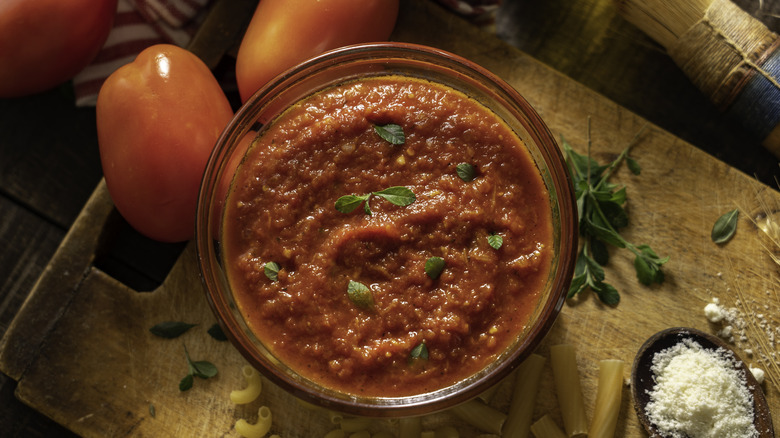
283	33
158	119
44	43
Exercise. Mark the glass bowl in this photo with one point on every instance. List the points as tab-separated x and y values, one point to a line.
357	62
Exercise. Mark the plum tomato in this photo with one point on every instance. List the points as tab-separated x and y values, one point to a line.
158	119
283	33
44	43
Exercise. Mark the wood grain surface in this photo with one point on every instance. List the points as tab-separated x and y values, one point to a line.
82	354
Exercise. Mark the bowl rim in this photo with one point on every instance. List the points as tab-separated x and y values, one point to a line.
562	193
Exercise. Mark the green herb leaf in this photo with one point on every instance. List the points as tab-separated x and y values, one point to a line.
271	270
348	203
725	227
360	294
467	172
391	133
633	166
601	214
186	383
152	410
171	329
419	352
434	266
397	195
495	241
215	331
203	369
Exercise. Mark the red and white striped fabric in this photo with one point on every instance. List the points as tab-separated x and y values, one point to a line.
138	24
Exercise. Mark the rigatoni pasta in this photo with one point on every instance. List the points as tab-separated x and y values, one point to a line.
563	359
257	430
608	399
545	427
521	408
480	415
253	387
410	427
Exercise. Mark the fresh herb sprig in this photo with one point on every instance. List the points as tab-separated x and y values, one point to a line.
201	368
601	215
397	195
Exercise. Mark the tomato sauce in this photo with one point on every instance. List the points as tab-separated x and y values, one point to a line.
281	209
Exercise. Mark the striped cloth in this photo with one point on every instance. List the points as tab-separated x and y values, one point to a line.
138	24
141	23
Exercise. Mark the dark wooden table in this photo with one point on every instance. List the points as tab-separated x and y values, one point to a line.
49	161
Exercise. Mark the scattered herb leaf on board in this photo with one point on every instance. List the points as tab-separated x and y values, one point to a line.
202	368
601	215
725	227
215	331
434	266
391	133
360	294
467	172
171	329
396	195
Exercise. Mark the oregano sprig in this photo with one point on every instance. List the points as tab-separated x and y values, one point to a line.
601	215
202	368
396	195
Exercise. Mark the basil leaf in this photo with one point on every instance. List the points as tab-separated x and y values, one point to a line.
599	252
360	294
397	195
186	383
467	172
348	203
215	331
434	266
725	227
204	369
391	133
607	294
495	241
633	166
271	270
171	329
419	352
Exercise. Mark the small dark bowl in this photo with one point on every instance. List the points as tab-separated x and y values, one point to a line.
642	376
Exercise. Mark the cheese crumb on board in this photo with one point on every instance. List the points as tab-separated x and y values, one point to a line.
699	394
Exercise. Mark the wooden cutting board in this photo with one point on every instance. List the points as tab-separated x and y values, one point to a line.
83	355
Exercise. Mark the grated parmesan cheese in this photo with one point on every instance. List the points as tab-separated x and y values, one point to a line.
698	393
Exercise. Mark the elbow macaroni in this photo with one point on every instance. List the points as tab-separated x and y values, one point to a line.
257	430
251	391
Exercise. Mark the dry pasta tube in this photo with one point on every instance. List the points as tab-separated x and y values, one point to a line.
476	413
254	385
447	432
608	398
545	427
354	424
521	408
410	427
336	433
567	386
257	430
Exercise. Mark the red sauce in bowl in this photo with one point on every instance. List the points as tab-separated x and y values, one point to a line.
281	209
